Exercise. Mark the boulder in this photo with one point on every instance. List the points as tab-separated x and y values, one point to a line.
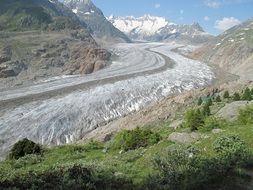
5	54
99	65
230	111
184	138
11	69
217	131
176	124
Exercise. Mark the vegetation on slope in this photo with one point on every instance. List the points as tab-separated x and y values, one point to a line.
146	158
26	15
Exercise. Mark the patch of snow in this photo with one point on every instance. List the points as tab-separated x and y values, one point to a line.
87	13
74	11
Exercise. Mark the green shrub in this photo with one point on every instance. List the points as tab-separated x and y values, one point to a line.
226	95
246	115
206	110
194	119
247	95
184	168
93	145
236	96
200	101
75	177
212	123
218	98
24	147
232	149
209	102
133	139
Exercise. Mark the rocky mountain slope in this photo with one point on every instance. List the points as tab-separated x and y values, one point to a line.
40	39
232	50
153	28
95	20
37	14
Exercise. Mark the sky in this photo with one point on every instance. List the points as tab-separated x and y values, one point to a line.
214	16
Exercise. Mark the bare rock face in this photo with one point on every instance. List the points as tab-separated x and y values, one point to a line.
11	68
5	54
89	60
40	55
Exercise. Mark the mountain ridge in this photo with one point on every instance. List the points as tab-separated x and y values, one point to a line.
154	28
95	19
37	14
232	50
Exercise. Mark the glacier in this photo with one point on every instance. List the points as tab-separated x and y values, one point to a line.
140	74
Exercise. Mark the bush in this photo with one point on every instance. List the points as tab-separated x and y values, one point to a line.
232	149
212	123
246	115
194	119
200	101
236	96
184	168
206	110
24	147
209	102
218	98
75	177
226	95
133	139
247	95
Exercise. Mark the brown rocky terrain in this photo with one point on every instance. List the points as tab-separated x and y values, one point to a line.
27	57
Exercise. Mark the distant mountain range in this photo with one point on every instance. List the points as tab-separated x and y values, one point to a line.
152	28
232	50
95	20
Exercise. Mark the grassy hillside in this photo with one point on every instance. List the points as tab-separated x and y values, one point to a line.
22	15
149	158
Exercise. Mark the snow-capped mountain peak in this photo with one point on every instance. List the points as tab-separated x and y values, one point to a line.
95	19
154	28
146	24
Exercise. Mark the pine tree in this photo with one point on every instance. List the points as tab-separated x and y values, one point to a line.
206	110
218	98
194	119
226	95
200	101
236	96
247	95
252	91
209	102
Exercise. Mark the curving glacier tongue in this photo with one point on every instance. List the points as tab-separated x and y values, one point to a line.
67	118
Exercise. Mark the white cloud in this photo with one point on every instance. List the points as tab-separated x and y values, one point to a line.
206	18
157	6
181	11
226	23
212	3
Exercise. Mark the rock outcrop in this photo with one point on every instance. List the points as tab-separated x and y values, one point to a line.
35	56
